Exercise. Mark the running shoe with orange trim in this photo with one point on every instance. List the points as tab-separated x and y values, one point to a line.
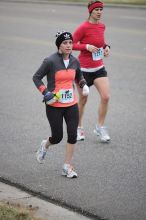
80	134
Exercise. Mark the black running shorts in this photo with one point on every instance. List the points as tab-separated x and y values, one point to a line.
91	76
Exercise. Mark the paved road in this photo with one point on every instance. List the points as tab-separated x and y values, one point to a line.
112	178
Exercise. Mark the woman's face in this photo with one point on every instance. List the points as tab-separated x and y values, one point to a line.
66	47
96	13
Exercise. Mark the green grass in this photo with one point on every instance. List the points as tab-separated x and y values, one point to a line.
16	212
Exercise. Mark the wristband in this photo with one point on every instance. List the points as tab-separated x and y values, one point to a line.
45	91
82	83
87	46
106	45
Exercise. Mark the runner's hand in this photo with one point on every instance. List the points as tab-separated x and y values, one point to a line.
85	90
91	48
106	51
49	98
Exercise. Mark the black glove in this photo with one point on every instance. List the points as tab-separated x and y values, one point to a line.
49	98
82	83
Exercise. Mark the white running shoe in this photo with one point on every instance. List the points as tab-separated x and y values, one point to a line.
80	134
41	153
68	171
102	133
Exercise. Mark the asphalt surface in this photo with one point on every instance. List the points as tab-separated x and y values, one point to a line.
112	178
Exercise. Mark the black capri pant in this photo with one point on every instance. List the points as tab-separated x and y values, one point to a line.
55	117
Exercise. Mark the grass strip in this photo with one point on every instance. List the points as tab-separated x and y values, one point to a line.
17	212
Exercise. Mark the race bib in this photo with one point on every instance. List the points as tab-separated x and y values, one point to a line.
66	96
98	55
